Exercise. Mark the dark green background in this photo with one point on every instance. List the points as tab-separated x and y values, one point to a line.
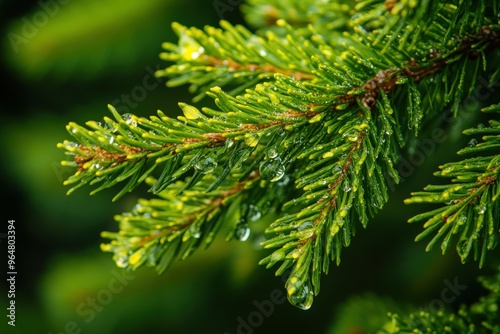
71	73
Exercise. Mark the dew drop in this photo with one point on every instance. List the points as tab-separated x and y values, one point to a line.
351	135
272	170
347	186
111	139
272	153
242	231
130	119
299	293
472	142
480	126
284	181
195	231
462	220
138	209
481	209
111	126
122	261
71	144
205	164
253	213
305	230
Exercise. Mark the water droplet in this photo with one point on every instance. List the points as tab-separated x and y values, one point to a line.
242	231
472	142
130	119
299	293
138	209
111	139
111	126
347	185
74	130
122	260
481	209
272	153
272	170
462	220
205	164
71	144
229	143
253	213
284	181
305	230
352	135
480	126
195	231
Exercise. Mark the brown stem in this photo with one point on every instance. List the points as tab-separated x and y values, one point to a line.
266	68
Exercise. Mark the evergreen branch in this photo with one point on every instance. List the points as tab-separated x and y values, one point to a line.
234	56
330	14
480	317
339	182
311	127
161	230
471	211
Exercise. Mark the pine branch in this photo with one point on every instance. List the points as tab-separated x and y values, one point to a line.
480	317
234	56
315	135
160	230
471	201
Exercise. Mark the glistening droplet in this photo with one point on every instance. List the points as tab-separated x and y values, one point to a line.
253	213
305	230
205	164
242	231
272	153
130	119
121	260
272	170
195	231
299	293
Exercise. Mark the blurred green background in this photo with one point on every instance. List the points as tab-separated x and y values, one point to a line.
65	61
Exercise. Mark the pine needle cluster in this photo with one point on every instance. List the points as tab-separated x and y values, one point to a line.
315	103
